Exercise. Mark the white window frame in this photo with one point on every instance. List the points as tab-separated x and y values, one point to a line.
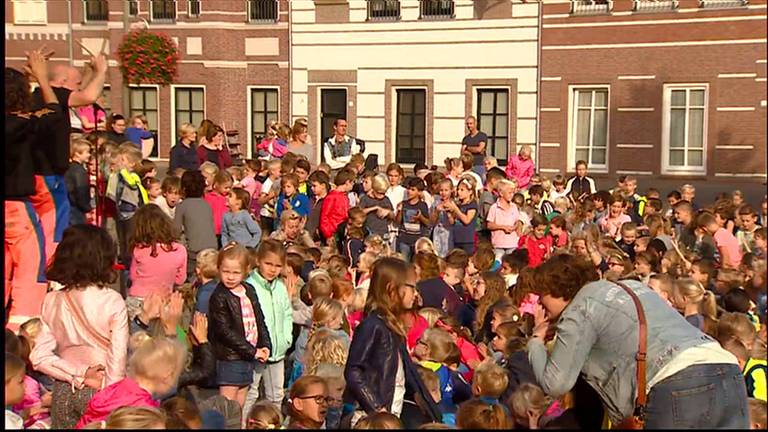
475	99
159	124
249	143
174	87
189	9
572	111
85	14
29	4
665	129
164	20
394	117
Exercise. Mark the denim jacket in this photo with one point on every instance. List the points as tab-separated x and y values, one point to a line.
597	336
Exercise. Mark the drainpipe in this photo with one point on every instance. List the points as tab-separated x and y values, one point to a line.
70	36
126	25
538	87
290	69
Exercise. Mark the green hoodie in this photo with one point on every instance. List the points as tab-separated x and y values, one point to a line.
276	306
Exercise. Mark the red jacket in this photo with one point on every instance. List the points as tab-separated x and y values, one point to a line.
537	248
334	211
225	160
125	392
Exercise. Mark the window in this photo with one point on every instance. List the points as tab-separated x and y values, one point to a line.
163	10
383	10
30	12
411	126
590	126
684	128
143	100
493	120
96	10
193	8
133	7
263	109
436	9
333	104
655	5
590	7
106	98
722	4
189	106
262	10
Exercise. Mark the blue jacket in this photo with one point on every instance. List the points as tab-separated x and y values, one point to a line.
276	306
241	228
299	204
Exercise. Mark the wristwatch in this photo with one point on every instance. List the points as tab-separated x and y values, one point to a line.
140	323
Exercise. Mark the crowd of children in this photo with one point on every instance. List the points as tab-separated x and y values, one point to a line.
272	295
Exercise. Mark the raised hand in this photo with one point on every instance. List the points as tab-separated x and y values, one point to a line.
199	327
37	65
541	322
151	307
170	315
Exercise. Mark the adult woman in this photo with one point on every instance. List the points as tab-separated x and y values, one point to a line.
692	381
212	149
84	341
379	371
116	129
184	154
301	143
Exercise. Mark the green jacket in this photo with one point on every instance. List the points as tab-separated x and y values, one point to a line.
276	306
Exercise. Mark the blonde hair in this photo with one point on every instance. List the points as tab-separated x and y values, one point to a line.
492	160
490	379
78	146
379	420
425	243
525	148
526	397
688	187
325	310
141	117
263	416
380	183
325	346
693	292
207	262
366	260
478	414
132	155
505	184
737	326
359	296
131	417
150	352
186	129
209	168
439	342
376	244
432	315
31	328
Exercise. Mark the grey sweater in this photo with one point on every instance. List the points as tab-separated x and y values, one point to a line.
194	218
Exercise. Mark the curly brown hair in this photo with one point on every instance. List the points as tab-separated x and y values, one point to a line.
84	257
562	276
152	227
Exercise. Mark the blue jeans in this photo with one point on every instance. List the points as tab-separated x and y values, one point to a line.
699	396
406	250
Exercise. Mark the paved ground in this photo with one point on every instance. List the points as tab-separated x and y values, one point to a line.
706	191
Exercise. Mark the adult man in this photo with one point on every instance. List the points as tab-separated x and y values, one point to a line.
339	148
52	160
475	143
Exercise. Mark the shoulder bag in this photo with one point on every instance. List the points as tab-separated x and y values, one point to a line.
637	419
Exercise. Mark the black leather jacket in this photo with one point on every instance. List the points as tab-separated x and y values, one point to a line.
202	368
225	327
372	366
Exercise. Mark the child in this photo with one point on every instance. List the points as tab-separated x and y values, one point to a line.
207	272
580	186
237	224
217	199
154	189
512	264
148	169
77	182
688	193
754	370
559	233
628	236
489	383
489	195
413	215
379	421
274	145
336	204
377	207
757	414
264	416
159	261
326	313
153	369
138	134
291	232
520	167
453	168
464	213
352	243
558	188
250	184
442	234
273	297
746	235
170	197
538	244
696	304
531	407
726	243
14	389
467	161
320	185
194	218
432	352
478	414
538	202
611	223
662	284
635	202
209	170
238	331
645	266
600	199
291	198
308	402
761	243
396	194
269	191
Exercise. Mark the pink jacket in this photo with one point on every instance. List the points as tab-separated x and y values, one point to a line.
279	147
218	204
33	392
120	394
157	274
65	349
520	170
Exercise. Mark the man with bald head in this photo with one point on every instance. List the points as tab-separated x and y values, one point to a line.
51	157
475	143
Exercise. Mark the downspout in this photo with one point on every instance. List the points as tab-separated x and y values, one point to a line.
70	35
538	86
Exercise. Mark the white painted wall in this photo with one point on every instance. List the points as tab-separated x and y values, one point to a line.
447	51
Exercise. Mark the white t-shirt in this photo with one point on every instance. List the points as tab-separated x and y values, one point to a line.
266	187
13	420
399	396
708	353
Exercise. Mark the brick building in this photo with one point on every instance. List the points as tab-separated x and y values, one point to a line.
234	56
654	88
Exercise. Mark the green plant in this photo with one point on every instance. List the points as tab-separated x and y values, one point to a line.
148	58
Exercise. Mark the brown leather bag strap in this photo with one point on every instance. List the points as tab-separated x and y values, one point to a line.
77	313
640	401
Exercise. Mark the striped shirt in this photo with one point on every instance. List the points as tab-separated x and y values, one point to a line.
249	317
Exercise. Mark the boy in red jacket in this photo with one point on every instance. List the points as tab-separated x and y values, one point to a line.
336	204
538	243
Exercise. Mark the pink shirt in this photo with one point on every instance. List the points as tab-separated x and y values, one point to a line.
64	349
249	317
520	170
724	239
157	274
218	204
612	226
499	216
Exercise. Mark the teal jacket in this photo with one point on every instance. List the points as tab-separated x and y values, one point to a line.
276	306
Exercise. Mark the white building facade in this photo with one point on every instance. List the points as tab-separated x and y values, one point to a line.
405	74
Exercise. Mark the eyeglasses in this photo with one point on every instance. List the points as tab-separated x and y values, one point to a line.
319	399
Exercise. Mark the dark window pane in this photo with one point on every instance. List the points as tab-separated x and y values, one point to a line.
263	109
333	103
410	145
493	120
262	10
